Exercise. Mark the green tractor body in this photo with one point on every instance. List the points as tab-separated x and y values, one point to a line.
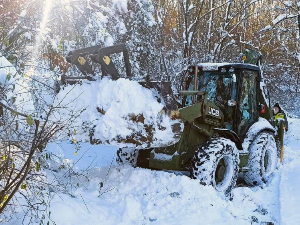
226	113
217	99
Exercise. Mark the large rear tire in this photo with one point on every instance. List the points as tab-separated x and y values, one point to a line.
216	163
262	159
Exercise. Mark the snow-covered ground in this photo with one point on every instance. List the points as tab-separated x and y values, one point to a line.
101	192
98	191
290	179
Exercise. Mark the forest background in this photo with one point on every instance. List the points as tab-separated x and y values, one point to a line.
162	36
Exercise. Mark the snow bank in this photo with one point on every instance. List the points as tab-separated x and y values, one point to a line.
290	181
119	111
97	191
133	196
137	196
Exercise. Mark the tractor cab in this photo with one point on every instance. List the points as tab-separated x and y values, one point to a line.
232	87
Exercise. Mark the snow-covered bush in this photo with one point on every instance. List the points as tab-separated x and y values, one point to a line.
24	133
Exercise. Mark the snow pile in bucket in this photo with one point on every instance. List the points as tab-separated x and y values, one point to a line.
114	112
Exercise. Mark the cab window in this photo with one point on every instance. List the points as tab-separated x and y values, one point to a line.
248	100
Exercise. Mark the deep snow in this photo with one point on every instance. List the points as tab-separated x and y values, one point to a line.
290	179
98	191
140	196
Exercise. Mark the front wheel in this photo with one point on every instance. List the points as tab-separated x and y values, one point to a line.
262	159
216	163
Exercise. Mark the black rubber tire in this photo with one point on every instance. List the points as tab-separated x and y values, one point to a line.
207	159
263	159
127	156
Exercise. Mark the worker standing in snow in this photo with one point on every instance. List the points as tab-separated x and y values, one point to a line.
280	115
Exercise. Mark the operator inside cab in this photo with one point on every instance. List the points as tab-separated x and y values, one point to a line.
225	98
220	87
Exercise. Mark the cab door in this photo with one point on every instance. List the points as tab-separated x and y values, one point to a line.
247	107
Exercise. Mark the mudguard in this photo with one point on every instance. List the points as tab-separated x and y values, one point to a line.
259	126
231	135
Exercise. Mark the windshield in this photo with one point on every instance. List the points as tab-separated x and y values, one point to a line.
220	87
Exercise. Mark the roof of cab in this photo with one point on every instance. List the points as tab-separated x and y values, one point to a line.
235	65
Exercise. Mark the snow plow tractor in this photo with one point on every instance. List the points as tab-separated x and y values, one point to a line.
227	129
226	113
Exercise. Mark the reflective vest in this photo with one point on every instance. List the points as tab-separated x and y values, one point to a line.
279	116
